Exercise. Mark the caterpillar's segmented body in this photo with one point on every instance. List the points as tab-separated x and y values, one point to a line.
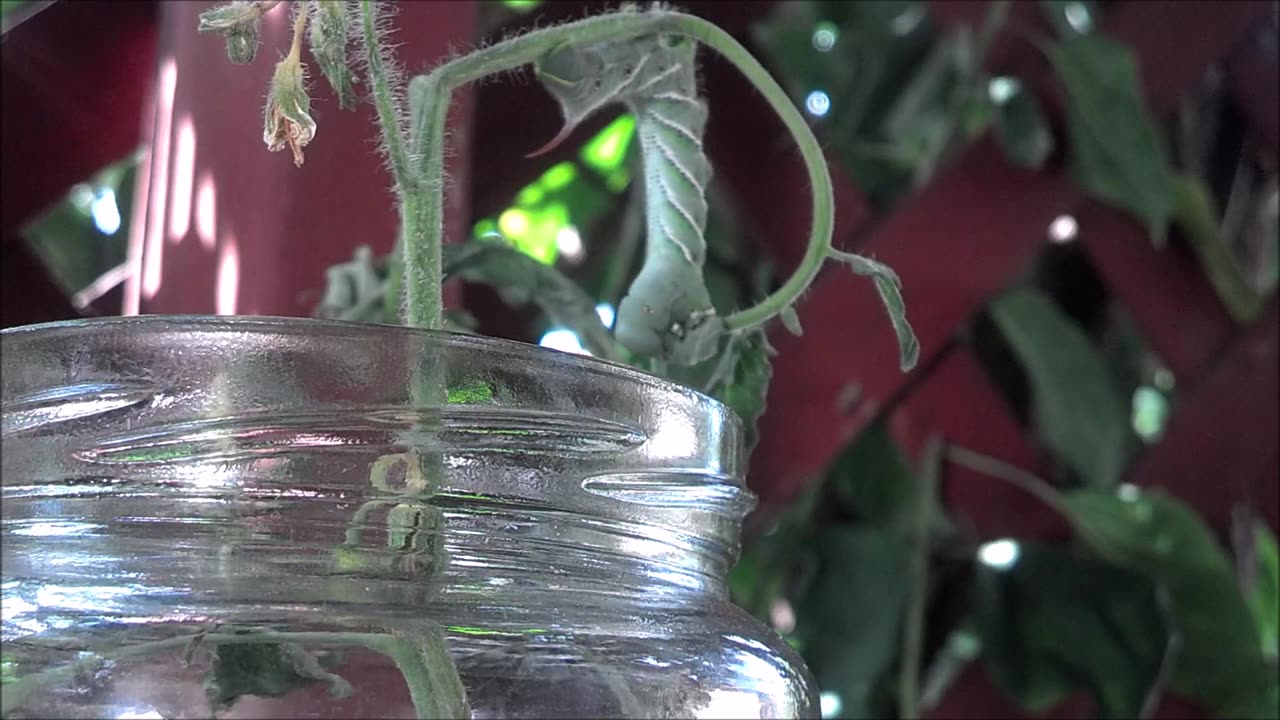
667	311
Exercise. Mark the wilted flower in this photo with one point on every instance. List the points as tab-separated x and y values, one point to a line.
330	32
288	119
242	46
241	22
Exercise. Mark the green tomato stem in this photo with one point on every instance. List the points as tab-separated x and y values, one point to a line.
429	97
418	200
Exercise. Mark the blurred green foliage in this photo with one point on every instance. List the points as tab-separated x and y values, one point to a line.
85	234
899	90
1143	599
1057	621
1076	407
1118	154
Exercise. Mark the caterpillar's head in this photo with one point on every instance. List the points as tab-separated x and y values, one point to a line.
654	326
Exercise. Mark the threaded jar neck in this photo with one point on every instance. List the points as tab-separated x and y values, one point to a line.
239	450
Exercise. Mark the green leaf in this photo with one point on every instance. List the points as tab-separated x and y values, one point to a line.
1264	597
889	287
354	290
1117	152
848	622
873	482
744	388
1197	218
1220	662
523	279
1078	412
265	669
1020	125
1055	623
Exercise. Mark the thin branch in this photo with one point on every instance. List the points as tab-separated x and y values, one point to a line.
1173	646
299	28
1001	470
917	601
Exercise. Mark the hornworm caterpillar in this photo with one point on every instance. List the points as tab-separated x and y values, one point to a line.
667	312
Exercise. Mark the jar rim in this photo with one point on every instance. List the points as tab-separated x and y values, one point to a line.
241	323
211	405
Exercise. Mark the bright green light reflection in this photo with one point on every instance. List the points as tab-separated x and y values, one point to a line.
535	222
607	151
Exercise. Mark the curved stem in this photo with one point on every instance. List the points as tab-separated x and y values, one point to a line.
429	97
1031	484
815	163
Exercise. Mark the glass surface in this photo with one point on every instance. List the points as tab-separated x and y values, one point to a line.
254	517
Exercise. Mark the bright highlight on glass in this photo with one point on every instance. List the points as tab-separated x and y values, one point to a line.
569	243
1063	229
824	37
607	314
782	616
908	20
563	340
818	103
999	554
1078	18
106	214
830	704
1002	89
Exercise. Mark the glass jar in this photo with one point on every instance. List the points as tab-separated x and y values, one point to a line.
256	517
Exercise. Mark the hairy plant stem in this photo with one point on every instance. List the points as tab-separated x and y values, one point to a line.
429	97
299	28
422	265
433	680
421	251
